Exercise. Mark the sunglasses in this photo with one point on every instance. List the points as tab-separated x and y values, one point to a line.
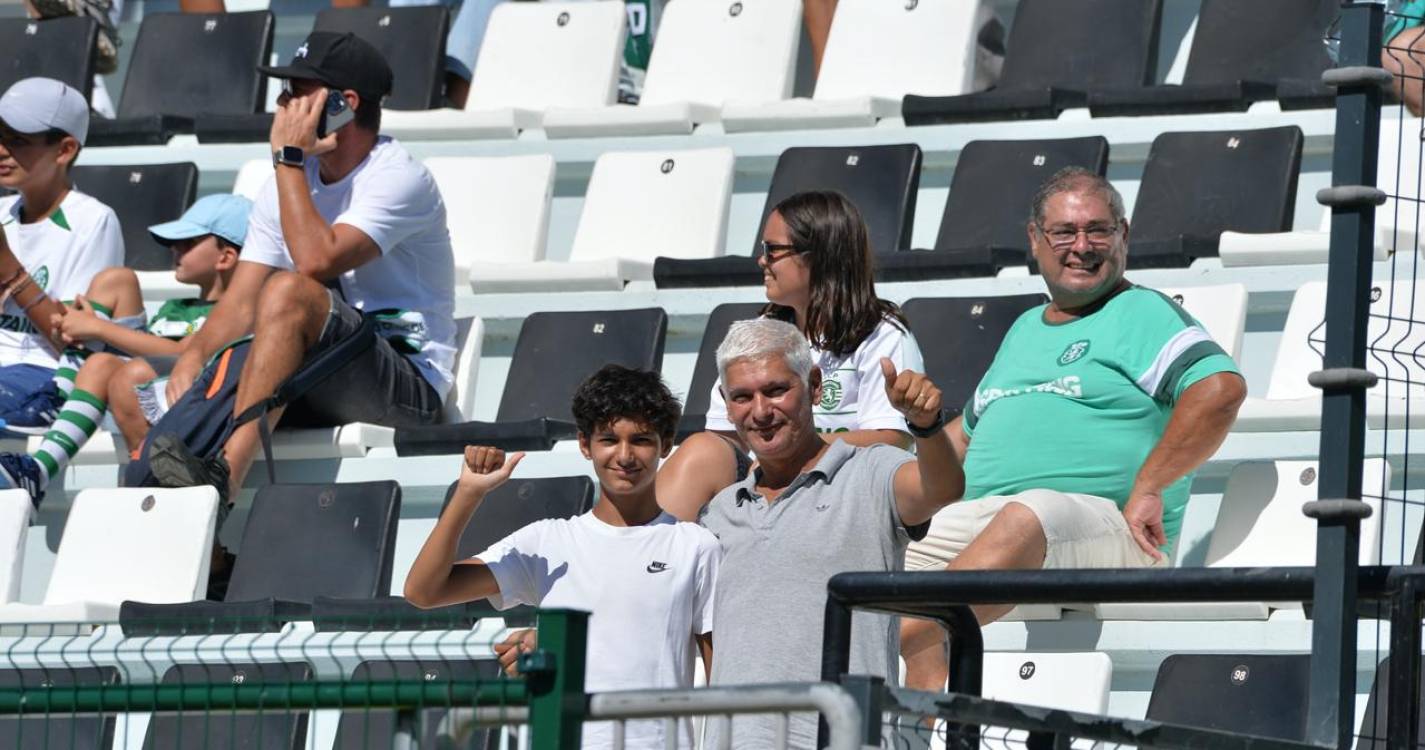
775	251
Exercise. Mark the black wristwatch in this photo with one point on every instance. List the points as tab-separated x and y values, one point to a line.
927	432
292	156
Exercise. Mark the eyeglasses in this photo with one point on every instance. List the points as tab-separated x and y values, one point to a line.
775	251
1064	237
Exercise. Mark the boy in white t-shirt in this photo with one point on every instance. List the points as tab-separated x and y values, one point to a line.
646	577
54	240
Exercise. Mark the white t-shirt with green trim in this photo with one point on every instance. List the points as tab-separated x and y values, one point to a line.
410	288
853	389
62	254
1078	406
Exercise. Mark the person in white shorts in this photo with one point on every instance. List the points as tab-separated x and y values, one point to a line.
1080	441
646	578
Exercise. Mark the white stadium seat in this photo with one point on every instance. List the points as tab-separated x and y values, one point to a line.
141	544
640	205
497	208
1392	340
877	52
1260	524
709	52
534	56
15	513
1065	681
1397	173
1222	311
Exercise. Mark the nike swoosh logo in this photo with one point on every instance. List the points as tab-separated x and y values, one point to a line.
656	567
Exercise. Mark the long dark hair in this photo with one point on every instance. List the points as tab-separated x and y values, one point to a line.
827	230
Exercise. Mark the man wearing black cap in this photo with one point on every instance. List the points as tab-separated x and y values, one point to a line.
350	226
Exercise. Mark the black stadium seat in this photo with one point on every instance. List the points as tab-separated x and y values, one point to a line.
881	180
959	337
1198	185
366	729
1114	43
695	402
142	195
1374	723
301	541
984	226
1257	694
185	65
59	48
58	730
555	352
269	729
413	41
1241	53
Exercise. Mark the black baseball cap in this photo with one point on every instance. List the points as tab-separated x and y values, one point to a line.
341	61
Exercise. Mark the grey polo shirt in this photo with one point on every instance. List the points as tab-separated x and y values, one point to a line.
771	592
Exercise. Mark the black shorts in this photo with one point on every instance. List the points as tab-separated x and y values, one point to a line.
380	386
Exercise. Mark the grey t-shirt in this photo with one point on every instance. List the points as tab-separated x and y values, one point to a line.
771	594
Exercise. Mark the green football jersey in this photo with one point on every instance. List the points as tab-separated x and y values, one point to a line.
1078	406
180	318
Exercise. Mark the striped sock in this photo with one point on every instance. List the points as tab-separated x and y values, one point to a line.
67	371
77	421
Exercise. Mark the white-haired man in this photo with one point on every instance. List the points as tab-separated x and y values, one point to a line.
810	510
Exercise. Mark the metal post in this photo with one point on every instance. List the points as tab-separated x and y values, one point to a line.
1402	712
1333	636
835	652
555	672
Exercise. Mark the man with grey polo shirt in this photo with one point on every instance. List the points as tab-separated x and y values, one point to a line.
811	509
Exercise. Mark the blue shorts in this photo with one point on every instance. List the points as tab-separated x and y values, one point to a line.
28	396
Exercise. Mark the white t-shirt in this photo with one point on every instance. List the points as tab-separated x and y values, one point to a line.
62	254
853	390
394	201
650	589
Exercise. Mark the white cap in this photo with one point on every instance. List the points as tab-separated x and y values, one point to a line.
35	105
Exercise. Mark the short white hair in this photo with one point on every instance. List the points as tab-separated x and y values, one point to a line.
763	338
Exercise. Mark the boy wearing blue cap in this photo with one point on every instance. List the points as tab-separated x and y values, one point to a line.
123	379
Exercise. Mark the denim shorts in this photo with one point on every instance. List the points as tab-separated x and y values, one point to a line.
28	396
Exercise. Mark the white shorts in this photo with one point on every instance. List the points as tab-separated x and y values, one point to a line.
1083	531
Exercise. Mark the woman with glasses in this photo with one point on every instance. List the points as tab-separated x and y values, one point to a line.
817	270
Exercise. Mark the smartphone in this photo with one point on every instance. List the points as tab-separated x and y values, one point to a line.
335	114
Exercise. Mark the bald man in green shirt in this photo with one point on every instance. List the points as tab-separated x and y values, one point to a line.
1080	441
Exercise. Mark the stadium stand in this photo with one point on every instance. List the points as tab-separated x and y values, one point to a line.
534	56
699	393
1069	682
882	181
44	732
519	503
959	336
16	510
984	226
497	208
862	79
1211	167
1260	524
640	205
218	75
127	543
1115	44
340	536
554	353
142	195
708	54
273	729
61	48
1257	694
1226	69
360	730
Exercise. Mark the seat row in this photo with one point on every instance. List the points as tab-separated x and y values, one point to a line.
554	66
663	215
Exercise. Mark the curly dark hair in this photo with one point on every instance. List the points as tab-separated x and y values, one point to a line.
617	392
828	229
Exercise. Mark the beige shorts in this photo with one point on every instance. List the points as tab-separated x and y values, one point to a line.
1083	531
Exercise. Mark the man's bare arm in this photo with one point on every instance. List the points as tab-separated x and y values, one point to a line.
1201	420
705	647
